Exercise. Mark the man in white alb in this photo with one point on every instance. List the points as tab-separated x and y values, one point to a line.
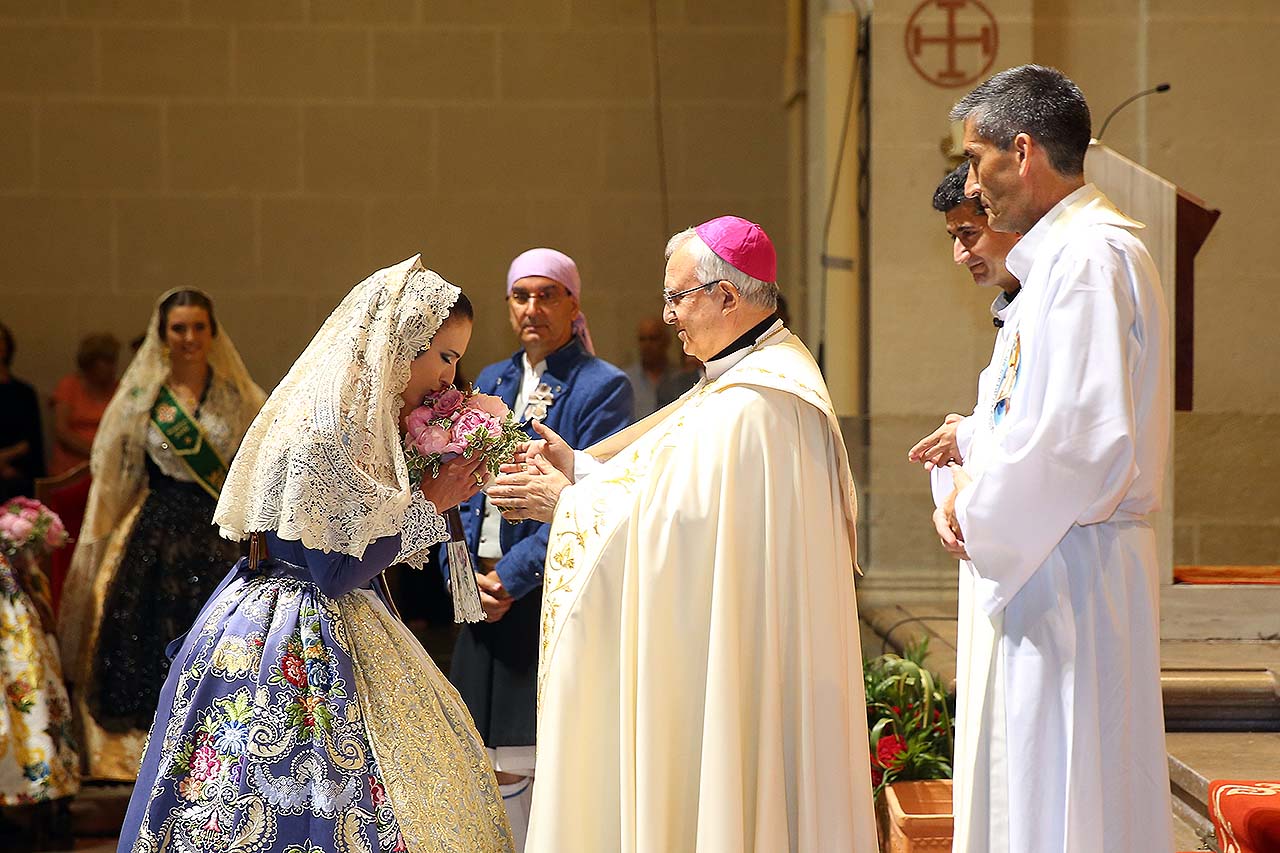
1060	727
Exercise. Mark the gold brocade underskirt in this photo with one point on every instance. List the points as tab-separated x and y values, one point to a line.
106	756
433	761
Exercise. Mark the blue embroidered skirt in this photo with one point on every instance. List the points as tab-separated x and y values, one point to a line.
298	723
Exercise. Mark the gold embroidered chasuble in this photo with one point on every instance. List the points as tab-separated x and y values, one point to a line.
700	683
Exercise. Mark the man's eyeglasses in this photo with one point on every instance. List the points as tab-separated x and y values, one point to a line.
545	296
670	299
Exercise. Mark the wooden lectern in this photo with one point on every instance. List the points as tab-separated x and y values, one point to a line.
1177	225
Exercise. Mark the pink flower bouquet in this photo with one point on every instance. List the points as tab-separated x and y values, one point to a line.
447	425
450	423
28	525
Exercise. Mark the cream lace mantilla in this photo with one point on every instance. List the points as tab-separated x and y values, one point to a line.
118	459
323	461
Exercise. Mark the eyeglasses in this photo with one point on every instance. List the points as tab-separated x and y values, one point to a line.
546	296
670	299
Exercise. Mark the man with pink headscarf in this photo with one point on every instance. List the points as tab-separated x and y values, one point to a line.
700	687
555	378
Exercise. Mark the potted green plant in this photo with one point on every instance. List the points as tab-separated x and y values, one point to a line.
912	739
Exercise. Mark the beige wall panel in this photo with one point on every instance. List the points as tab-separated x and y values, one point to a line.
125	10
368	148
444	66
249	11
1239	544
512	149
908	126
741	13
903	543
170	242
166	61
1073	45
298	62
1219	10
270	330
46	59
308	243
42	357
17	146
625	12
364	11
630	150
1185	552
529	14
1226	468
890	471
54	245
1209	135
99	146
30	10
749	165
574	66
228	146
725	66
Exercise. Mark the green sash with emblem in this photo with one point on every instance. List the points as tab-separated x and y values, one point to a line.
188	441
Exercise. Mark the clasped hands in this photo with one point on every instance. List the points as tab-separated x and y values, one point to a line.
530	485
939	448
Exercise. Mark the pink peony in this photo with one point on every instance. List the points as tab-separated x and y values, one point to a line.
426	437
30	513
446	402
465	427
56	535
19	528
489	404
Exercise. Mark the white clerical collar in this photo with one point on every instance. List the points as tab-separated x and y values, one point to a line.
1002	307
718	366
1022	255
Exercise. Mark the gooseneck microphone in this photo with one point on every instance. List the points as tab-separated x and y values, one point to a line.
1163	87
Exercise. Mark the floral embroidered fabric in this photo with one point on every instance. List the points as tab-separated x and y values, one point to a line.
37	752
262	743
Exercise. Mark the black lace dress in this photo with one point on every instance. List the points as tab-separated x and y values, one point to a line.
170	565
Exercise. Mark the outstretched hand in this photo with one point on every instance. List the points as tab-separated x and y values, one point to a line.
551	447
938	447
458	480
531	493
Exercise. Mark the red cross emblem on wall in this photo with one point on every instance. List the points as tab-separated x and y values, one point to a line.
952	42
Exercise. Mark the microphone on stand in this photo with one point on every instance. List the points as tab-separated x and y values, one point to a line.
1163	87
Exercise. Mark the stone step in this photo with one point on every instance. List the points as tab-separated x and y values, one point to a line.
1216	685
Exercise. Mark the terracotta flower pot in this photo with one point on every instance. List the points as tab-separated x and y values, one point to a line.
917	816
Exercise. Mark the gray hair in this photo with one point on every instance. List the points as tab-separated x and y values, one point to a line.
710	268
1035	100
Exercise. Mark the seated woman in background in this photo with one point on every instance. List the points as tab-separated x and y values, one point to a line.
21	438
148	556
79	400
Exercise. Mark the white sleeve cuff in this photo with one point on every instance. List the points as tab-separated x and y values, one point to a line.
584	464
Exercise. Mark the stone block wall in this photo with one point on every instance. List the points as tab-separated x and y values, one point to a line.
274	153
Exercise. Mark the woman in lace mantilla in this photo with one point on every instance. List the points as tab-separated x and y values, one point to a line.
300	714
148	556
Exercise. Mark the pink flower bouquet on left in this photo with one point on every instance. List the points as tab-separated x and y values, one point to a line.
28	525
449	424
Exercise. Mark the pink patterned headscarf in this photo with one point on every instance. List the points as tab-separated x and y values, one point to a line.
561	269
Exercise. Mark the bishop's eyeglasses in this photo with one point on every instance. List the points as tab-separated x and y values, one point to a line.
671	299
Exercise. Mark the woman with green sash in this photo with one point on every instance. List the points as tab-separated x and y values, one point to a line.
148	555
